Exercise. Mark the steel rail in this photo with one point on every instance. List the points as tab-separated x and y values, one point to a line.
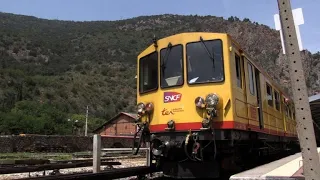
109	174
26	169
78	160
121	149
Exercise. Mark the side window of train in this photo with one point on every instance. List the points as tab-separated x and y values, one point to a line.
277	100
238	70
269	95
285	110
251	80
290	111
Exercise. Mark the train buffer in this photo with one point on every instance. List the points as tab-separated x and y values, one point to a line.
287	168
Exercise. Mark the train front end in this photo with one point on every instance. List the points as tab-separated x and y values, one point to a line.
183	88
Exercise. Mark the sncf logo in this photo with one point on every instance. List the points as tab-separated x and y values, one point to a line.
172	97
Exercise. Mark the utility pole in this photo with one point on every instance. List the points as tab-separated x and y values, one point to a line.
306	135
86	129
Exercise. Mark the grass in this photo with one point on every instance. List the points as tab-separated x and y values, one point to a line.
51	156
23	155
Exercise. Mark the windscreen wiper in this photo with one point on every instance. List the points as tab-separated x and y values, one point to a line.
209	54
164	61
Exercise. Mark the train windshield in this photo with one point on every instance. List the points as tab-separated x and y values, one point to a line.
171	71
205	62
148	75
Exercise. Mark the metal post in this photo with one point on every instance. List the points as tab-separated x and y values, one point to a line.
96	151
86	130
148	155
311	163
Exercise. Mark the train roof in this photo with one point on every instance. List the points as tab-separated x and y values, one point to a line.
179	34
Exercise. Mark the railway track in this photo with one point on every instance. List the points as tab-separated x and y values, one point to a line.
108	174
24	168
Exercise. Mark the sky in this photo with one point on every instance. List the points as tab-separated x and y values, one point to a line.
261	11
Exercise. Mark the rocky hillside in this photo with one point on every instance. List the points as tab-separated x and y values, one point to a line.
73	64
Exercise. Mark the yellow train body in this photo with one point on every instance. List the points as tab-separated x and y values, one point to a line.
237	86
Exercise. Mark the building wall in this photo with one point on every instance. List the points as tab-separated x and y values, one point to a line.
57	143
123	126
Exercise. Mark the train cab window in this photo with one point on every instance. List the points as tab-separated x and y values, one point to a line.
238	71
171	71
205	62
251	80
148	73
269	95
277	100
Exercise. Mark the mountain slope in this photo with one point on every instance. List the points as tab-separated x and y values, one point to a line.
74	64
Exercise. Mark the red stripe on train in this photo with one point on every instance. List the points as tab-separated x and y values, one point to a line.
219	125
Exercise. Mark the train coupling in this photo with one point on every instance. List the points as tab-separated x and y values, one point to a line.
161	149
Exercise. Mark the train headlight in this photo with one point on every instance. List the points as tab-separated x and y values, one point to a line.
149	107
199	102
212	100
141	108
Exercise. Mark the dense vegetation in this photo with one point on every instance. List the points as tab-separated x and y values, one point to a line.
51	70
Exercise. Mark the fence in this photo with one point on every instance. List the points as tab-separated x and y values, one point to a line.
57	143
97	153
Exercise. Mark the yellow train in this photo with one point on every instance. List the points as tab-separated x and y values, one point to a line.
203	103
